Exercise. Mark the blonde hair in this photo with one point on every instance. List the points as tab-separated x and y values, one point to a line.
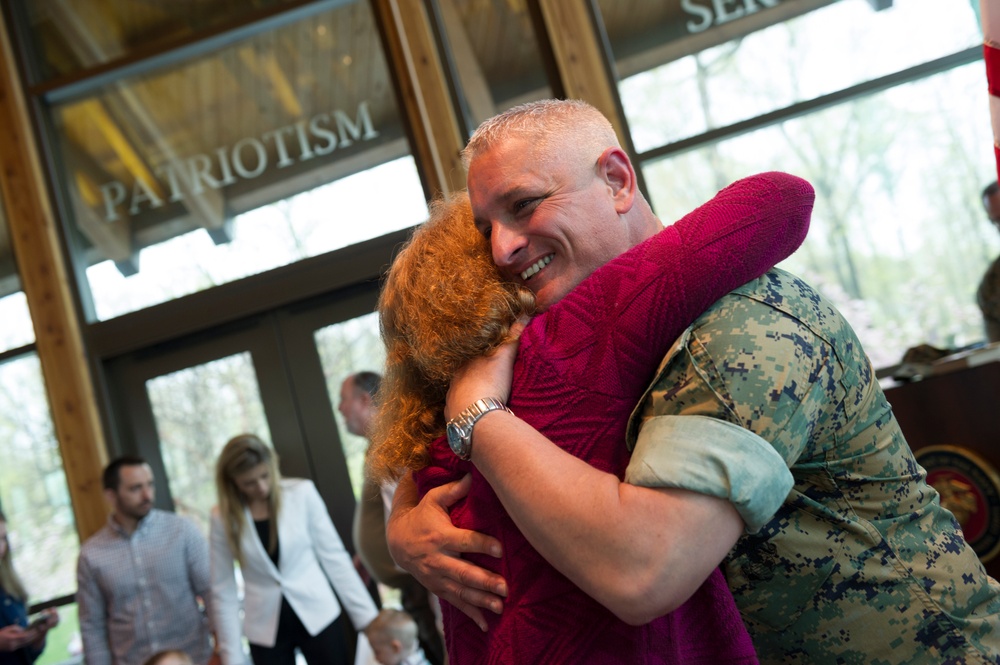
241	454
392	624
572	122
9	579
442	304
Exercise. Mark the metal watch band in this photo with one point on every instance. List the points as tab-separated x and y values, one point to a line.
481	407
460	427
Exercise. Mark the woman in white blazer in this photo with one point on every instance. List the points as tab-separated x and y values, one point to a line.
289	555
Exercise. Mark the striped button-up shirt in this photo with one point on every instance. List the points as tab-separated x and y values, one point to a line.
138	593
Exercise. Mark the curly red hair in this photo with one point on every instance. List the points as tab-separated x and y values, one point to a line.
442	304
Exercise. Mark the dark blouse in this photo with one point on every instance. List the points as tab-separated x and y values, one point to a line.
264	532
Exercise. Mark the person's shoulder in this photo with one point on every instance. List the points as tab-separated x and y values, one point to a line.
779	307
776	289
165	519
103	545
96	539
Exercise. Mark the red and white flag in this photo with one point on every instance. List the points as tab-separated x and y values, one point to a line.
990	15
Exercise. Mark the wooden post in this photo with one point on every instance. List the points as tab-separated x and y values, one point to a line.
43	275
425	101
579	56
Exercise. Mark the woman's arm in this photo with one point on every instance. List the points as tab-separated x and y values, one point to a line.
225	604
655	290
336	562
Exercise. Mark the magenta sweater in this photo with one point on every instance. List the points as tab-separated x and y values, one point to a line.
581	368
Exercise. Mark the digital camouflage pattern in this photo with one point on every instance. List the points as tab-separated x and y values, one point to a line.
861	564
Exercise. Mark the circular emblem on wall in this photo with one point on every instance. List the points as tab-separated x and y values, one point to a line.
970	488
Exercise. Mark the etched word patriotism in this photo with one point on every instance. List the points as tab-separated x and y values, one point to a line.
246	159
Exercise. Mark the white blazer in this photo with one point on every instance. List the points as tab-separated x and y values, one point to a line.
312	557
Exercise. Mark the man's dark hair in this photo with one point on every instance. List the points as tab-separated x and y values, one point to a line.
369	382
112	472
990	189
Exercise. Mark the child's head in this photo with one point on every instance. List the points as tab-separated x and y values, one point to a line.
171	657
393	636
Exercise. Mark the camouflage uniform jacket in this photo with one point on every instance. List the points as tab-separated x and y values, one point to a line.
858	563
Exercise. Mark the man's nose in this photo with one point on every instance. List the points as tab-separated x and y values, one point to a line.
506	243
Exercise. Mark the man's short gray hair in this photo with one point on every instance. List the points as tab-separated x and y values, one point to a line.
542	119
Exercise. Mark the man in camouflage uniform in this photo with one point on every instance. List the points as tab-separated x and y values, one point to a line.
860	563
787	466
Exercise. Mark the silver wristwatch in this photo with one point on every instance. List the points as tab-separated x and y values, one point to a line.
459	428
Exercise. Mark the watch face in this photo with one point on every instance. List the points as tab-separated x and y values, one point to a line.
457	441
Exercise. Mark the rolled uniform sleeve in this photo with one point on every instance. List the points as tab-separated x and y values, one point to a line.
712	457
736	404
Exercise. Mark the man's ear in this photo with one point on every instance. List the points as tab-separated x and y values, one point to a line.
616	169
109	496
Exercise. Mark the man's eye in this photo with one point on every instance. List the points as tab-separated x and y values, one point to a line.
524	204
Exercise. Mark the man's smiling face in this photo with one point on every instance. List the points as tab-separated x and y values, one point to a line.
548	213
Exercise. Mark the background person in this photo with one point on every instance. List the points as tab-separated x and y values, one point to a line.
574	383
358	405
141	577
988	295
393	637
289	554
858	562
20	643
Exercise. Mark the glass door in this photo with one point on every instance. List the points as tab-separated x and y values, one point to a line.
277	375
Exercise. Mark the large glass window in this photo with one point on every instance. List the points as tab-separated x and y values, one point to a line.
898	242
899	239
34	494
35	497
817	53
282	146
